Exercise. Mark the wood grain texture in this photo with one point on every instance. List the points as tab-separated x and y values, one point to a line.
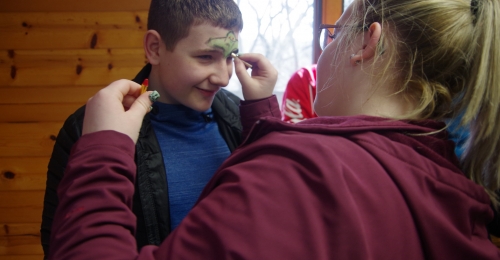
332	10
67	38
20	238
28	139
21	206
54	55
19	245
31	113
21	257
495	241
19	229
108	58
65	76
72	30
47	95
95	20
23	173
73	6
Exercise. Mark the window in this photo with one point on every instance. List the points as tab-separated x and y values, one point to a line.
346	4
281	30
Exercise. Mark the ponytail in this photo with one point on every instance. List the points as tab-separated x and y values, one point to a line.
480	104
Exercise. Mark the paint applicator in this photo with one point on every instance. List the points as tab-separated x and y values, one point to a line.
247	65
144	86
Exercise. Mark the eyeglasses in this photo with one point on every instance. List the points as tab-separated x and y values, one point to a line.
327	33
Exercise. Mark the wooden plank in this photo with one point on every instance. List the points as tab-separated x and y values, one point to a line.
23	173
21	206
65	76
73	5
72	58
46	95
20	238
95	20
28	139
22	257
17	113
19	229
332	10
63	38
19	245
495	241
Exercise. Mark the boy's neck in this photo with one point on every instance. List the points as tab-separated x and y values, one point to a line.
155	84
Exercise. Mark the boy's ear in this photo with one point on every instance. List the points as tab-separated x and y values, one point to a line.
371	39
152	44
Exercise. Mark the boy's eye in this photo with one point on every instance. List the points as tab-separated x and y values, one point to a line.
205	57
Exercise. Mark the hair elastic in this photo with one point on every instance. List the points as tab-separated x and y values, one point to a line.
474	6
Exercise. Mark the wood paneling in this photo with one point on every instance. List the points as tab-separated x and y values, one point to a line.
18	245
23	173
65	76
21	59
47	95
332	10
72	30
18	239
495	241
21	206
73	5
27	140
15	229
37	112
54	55
67	38
22	257
58	20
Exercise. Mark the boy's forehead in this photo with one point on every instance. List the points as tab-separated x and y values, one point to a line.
206	37
227	44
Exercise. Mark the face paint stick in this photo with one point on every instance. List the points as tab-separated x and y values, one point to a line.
144	86
247	65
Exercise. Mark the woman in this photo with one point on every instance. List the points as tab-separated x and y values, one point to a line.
373	177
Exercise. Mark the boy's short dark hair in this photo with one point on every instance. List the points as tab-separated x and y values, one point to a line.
172	19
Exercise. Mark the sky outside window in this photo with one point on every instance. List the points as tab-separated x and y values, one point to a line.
281	30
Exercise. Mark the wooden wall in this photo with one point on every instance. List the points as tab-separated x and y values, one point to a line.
332	10
54	55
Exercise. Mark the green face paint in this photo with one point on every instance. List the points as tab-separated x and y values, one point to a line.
228	44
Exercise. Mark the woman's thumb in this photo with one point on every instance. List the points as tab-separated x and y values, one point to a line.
142	105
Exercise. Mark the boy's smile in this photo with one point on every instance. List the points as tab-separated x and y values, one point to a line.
197	68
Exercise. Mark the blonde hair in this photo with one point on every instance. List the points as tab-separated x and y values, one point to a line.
447	56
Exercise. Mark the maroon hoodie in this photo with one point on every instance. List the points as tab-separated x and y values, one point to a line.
326	188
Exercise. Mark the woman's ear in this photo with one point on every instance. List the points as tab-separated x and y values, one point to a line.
371	39
372	36
152	44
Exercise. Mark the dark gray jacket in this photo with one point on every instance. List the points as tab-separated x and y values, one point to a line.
150	204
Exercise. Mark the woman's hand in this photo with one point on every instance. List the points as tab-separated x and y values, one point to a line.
263	77
119	107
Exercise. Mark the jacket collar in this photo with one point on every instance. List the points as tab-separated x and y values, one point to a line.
428	136
344	125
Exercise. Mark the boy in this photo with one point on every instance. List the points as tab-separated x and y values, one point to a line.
192	128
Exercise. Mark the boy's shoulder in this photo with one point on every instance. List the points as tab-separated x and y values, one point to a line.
226	104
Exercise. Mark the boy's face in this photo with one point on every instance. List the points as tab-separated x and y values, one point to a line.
198	67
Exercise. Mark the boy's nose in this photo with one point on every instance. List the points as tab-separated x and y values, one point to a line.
221	74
